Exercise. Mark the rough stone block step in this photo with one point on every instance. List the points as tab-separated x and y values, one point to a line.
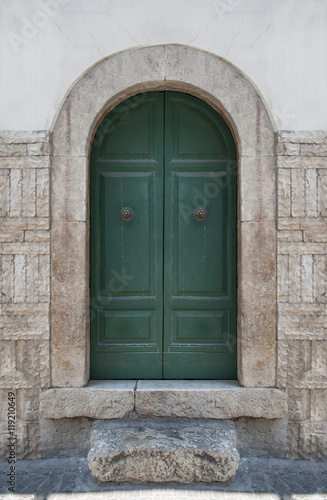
163	450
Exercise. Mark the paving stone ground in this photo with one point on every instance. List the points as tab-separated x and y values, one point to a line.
256	478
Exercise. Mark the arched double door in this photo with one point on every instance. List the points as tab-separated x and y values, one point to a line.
163	241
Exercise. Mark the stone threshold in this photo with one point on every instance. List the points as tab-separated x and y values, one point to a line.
102	399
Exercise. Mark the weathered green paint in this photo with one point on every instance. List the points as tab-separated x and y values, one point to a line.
163	286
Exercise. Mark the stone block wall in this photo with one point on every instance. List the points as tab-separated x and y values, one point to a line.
302	312
25	279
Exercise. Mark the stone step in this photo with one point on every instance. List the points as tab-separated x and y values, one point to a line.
163	450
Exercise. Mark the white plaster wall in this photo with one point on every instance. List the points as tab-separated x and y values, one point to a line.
281	45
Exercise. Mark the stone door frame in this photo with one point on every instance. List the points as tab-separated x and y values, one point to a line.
229	91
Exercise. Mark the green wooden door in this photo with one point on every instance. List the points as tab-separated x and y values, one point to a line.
163	276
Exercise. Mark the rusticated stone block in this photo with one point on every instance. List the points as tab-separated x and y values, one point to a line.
12	237
294	364
24	137
282	278
322	193
289	223
28	364
297	193
28	193
28	404
319	405
294	441
301	248
27	162
304	223
42	193
311	193
302	364
313	441
28	440
7	365
290	236
176	451
24	248
12	150
299	404
314	237
319	363
284	192
44	278
293	326
38	149
4	192
288	149
38	236
38	223
302	162
7	278
302	136
314	150
16	178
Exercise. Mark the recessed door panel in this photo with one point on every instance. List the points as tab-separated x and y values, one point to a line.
129	259
126	327
198	262
163	280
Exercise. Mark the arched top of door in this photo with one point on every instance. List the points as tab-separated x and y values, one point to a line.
163	67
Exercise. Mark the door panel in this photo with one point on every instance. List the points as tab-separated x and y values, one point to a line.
126	257
132	250
200	257
199	253
163	285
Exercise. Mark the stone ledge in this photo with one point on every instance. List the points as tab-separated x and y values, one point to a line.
208	399
99	400
164	398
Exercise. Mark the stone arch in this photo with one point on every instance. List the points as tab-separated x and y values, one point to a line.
225	88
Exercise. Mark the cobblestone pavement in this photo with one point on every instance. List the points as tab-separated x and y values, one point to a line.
256	479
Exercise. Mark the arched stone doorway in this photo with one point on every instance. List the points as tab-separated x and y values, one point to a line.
100	89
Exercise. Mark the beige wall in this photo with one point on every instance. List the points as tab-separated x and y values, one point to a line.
48	44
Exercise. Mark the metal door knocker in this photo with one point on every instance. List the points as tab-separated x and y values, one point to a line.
200	214
126	214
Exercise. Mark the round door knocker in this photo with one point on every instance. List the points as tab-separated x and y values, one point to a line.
200	214
126	214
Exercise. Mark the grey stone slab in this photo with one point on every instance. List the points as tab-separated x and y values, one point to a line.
172	451
106	400
208	399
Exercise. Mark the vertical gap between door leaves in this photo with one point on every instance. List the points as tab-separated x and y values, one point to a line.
163	234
